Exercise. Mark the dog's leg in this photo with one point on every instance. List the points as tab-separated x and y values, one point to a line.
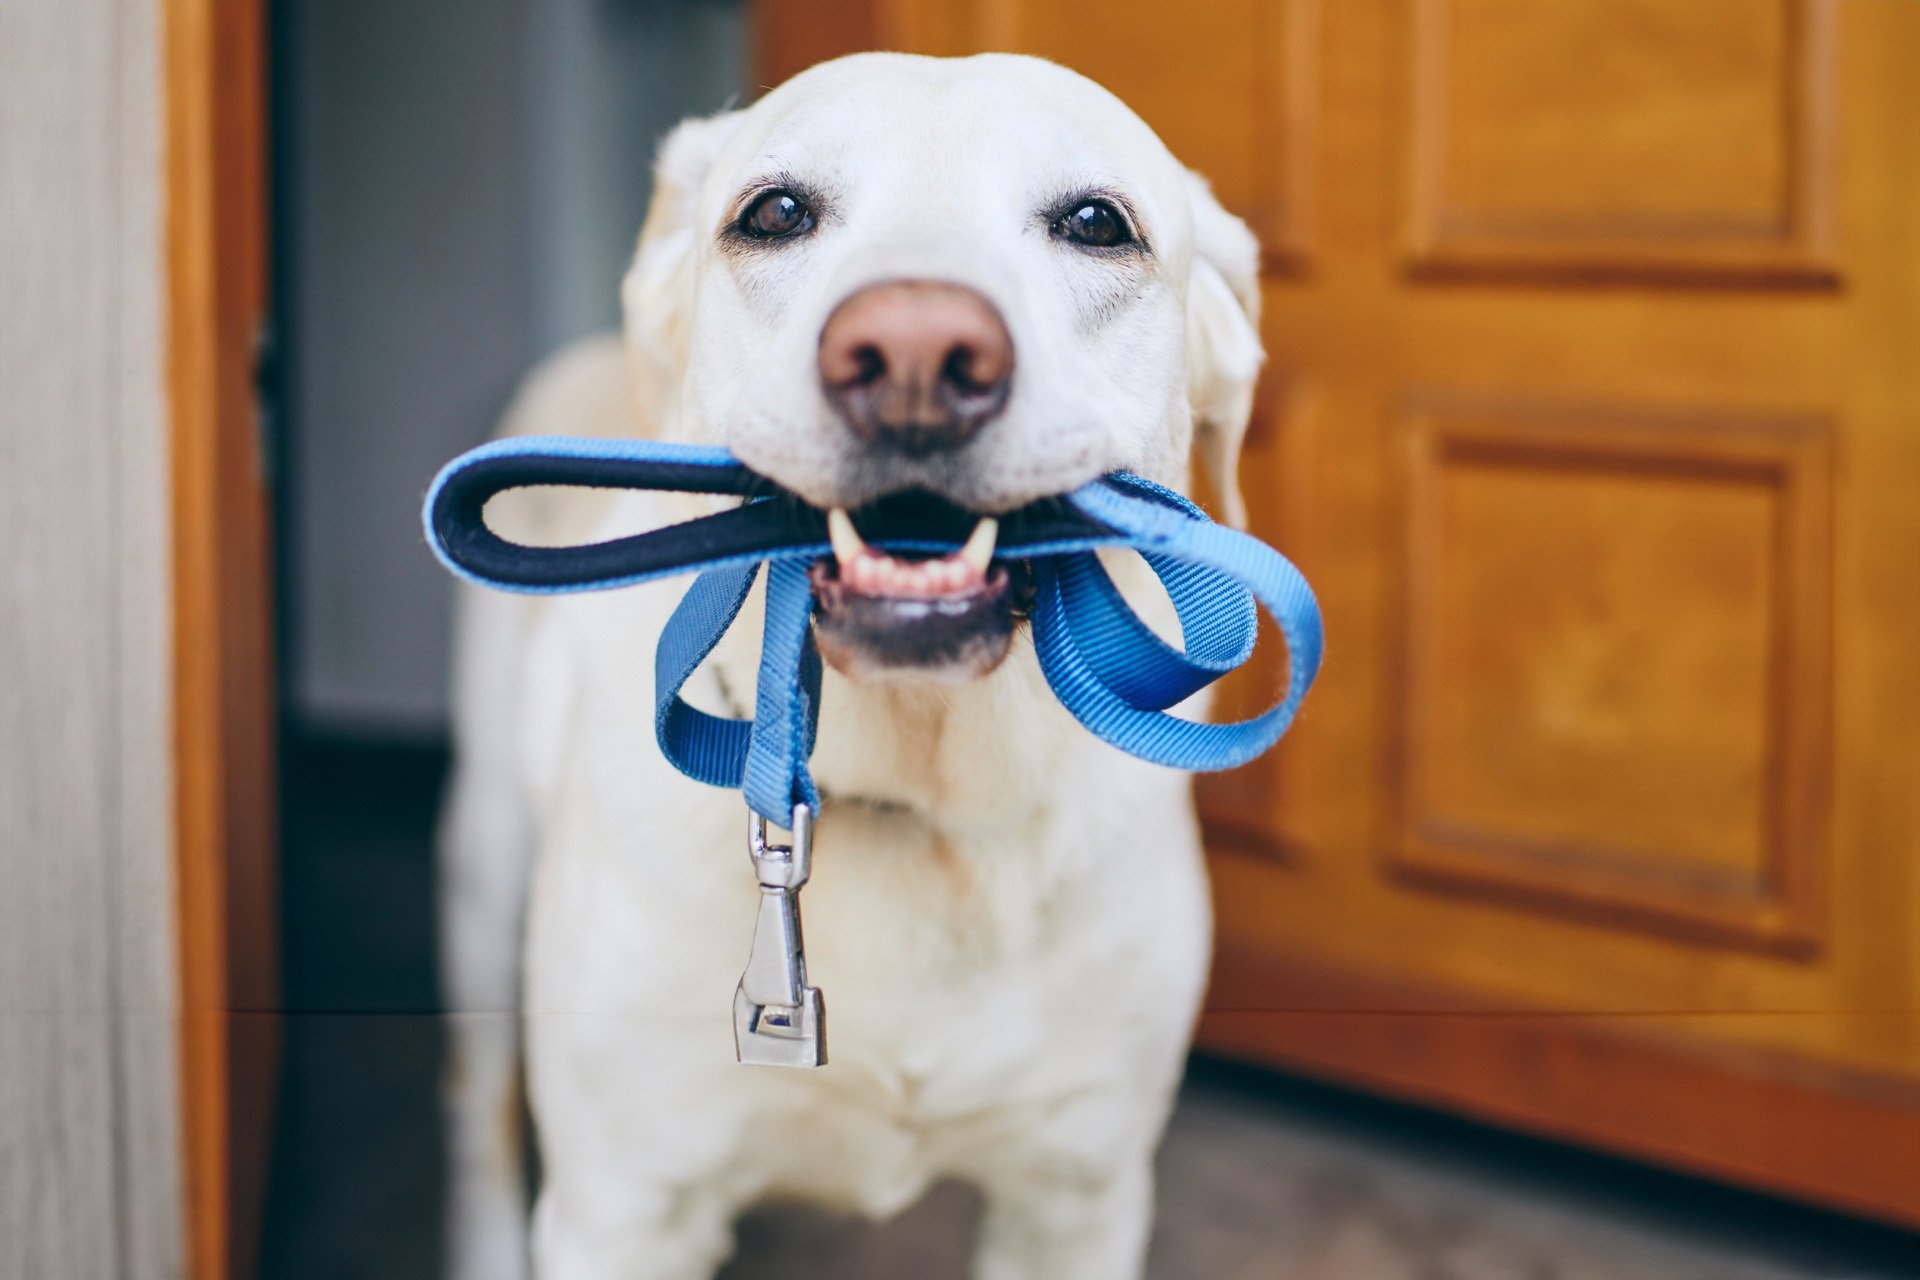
1041	1227
616	1231
485	859
486	1233
1056	1225
1069	1191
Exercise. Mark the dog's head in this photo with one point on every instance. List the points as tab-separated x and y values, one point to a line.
978	282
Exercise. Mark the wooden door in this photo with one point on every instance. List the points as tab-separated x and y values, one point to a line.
1593	413
214	99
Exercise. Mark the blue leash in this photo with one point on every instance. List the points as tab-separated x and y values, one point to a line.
1101	660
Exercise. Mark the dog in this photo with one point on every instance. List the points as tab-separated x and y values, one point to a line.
982	279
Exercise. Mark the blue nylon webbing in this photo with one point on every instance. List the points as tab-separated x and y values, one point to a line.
1100	659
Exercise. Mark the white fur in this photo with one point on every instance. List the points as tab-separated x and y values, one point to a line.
1009	918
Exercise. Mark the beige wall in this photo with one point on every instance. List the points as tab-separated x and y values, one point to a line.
88	1145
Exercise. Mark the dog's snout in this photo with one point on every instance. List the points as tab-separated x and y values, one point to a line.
916	365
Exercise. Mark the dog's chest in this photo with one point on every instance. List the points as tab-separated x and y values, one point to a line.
882	1123
968	977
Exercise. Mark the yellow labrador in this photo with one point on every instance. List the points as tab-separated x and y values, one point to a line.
982	278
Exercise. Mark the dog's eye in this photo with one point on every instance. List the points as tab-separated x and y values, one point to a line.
1094	223
776	214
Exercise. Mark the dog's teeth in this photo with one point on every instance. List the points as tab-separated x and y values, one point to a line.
871	572
978	551
847	543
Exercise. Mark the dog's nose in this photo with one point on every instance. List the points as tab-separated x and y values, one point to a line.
916	365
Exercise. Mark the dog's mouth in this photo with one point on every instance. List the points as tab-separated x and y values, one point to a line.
946	618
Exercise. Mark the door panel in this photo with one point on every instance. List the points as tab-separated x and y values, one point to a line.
1613	645
1622	134
1593	413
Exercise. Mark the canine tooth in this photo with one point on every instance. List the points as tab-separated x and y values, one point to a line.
847	543
978	551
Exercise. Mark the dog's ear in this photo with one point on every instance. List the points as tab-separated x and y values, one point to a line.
657	293
1223	343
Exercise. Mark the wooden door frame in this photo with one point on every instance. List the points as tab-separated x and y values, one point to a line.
215	194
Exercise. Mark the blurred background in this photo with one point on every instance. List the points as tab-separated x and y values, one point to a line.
457	189
1573	933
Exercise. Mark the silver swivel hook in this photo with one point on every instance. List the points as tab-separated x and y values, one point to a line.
778	1020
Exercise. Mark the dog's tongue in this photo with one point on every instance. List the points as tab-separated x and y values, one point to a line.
869	571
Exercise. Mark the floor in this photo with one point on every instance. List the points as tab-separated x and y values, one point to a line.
1261	1177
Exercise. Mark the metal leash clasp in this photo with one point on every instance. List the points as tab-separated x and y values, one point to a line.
778	1020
